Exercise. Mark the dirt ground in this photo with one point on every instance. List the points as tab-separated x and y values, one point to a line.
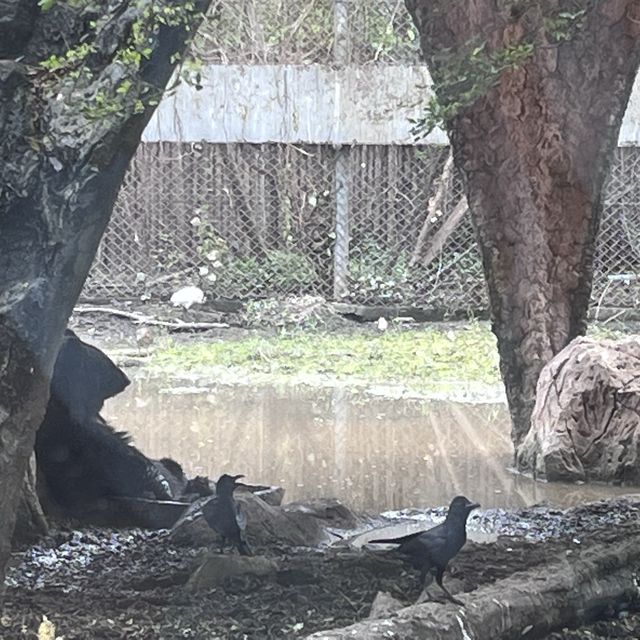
137	324
105	584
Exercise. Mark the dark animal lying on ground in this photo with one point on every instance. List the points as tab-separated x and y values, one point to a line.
224	516
430	551
81	459
189	489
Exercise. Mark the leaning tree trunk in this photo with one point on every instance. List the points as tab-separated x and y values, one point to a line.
534	141
31	523
69	124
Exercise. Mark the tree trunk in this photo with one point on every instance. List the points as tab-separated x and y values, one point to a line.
31	523
534	148
66	138
573	590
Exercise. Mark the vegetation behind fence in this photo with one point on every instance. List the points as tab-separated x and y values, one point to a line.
369	224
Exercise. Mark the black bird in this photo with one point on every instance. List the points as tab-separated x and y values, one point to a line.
223	515
430	551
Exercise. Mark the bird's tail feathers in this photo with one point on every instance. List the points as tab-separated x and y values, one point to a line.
398	540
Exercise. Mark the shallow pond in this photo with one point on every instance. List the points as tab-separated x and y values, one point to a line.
372	453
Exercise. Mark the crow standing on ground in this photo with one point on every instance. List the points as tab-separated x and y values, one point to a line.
223	515
430	551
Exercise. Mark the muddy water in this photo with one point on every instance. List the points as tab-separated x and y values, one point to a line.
372	453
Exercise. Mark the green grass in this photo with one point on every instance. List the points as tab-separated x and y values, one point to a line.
414	358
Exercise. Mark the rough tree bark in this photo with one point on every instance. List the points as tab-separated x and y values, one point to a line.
534	148
66	137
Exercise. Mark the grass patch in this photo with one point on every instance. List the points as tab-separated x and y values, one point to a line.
414	358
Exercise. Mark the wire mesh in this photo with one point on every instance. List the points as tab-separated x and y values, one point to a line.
240	220
250	221
617	263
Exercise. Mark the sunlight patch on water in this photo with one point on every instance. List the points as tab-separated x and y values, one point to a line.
373	453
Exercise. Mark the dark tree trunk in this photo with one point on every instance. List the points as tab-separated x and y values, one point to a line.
534	149
62	167
31	523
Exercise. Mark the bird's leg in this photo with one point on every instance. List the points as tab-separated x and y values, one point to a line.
223	542
439	574
244	549
426	578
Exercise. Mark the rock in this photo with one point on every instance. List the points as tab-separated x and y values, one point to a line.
192	530
271	495
586	420
187	296
217	567
266	525
384	605
329	510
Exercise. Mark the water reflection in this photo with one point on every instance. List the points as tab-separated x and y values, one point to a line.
374	454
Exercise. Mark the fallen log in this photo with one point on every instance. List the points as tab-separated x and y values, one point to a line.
433	208
140	318
569	591
441	236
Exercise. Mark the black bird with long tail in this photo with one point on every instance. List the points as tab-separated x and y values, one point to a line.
430	551
224	516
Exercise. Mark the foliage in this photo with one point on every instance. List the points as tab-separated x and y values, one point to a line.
382	275
282	31
421	359
278	270
466	76
389	33
69	72
563	25
294	312
387	277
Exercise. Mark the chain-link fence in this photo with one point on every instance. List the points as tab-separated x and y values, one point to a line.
617	266
368	224
253	221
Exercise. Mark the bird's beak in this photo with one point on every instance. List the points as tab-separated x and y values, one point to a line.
473	505
235	478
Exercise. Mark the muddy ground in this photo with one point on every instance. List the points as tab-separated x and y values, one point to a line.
103	584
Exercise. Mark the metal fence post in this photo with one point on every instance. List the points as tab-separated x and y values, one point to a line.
341	177
341	246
